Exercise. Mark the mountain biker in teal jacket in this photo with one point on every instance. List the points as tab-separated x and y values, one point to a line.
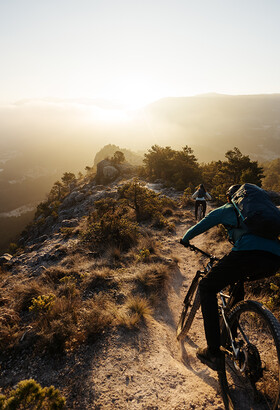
252	257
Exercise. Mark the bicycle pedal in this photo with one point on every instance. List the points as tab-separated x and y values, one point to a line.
225	351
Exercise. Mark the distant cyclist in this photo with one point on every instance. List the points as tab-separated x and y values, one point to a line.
200	197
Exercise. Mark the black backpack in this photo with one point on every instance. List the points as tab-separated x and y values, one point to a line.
255	209
201	193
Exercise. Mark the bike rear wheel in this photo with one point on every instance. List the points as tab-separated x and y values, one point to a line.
252	380
199	213
191	306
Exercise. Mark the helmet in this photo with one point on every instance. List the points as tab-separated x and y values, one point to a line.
232	189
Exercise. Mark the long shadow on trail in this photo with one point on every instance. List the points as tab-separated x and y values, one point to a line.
202	374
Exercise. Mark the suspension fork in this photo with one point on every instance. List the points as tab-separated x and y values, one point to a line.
235	349
193	285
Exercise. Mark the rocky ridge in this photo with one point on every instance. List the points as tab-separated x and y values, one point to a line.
143	369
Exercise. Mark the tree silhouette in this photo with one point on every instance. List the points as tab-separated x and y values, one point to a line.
176	168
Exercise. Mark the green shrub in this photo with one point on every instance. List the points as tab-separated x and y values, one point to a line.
147	204
24	293
42	303
176	168
30	395
112	229
186	198
143	254
160	222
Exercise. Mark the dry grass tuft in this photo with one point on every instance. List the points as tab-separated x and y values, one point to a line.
96	316
53	275
100	280
113	256
113	253
150	243
72	260
136	310
140	306
154	277
9	328
176	259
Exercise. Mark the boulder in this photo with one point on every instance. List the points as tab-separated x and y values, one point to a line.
110	173
127	169
71	199
70	223
5	259
106	172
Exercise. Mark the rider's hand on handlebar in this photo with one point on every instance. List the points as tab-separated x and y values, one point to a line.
184	243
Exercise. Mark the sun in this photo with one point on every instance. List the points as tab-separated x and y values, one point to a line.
132	92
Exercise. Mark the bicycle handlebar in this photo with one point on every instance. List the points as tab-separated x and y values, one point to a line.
196	249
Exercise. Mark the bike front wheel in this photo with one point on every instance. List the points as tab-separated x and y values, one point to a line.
191	306
250	379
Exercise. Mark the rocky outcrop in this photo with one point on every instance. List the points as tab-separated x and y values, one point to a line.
108	171
77	204
4	259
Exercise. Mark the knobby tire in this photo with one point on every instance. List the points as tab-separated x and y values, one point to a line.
199	213
257	386
188	313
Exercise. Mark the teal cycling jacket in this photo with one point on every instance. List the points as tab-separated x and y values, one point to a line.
242	240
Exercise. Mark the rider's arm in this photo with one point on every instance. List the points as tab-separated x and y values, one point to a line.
208	196
194	195
224	215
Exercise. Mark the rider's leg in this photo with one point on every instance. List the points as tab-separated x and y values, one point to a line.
233	267
237	296
239	293
196	208
203	208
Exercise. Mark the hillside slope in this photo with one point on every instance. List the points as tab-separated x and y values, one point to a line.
142	367
156	371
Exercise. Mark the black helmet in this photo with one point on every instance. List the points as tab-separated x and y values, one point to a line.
232	189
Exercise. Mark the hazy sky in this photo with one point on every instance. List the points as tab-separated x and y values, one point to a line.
137	51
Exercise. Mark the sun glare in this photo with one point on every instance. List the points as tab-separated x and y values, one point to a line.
124	97
132	93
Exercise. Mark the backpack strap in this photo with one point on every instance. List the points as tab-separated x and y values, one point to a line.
237	212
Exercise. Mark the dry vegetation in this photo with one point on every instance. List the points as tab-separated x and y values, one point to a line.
82	296
112	279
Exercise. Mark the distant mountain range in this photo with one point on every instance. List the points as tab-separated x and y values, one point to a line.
213	123
42	139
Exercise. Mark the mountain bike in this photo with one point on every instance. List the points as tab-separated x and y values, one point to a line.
200	212
250	344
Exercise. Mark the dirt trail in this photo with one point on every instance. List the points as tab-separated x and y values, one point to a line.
156	371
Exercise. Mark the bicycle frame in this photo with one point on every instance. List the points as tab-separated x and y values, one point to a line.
223	308
243	375
226	300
